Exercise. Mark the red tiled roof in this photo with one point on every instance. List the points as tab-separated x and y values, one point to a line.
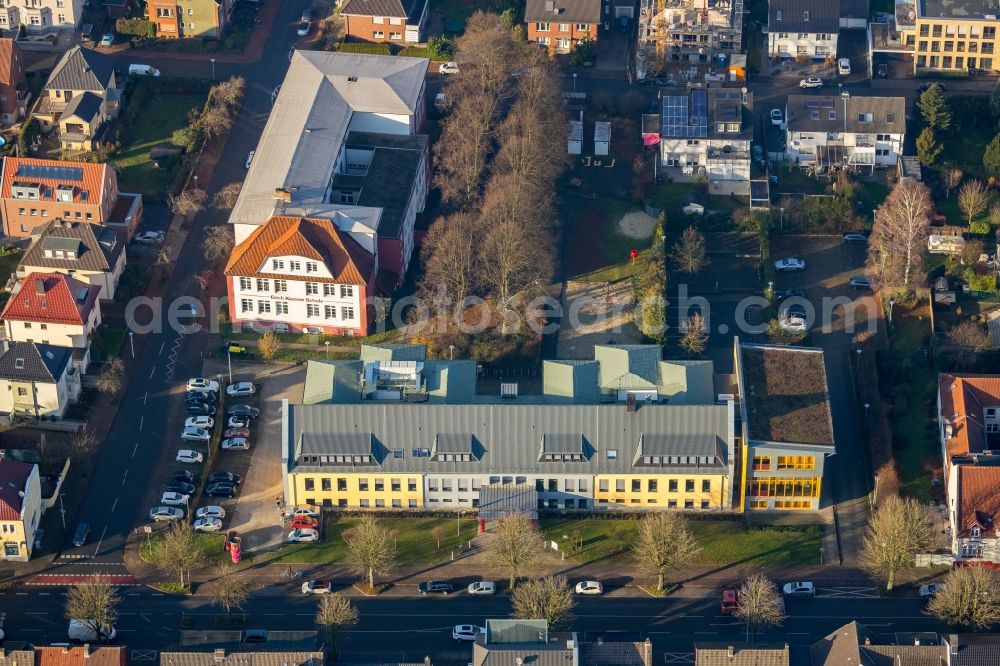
105	655
978	499
962	399
55	303
347	261
93	178
13	478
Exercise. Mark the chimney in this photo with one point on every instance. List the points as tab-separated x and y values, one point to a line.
427	661
550	6
868	640
66	649
87	651
220	655
729	651
953	644
630	404
39	286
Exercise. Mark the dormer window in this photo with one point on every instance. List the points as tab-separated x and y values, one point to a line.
777	15
805	16
277	264
975	532
295	266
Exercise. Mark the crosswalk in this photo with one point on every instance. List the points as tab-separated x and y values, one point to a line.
846	593
678	658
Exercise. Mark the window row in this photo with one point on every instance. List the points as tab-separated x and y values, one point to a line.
378	34
958	47
671	504
363	485
776	487
946	62
312	288
364	503
294	265
653	485
43	212
763	463
545	26
280	308
939	30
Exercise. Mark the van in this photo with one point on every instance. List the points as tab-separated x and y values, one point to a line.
83	631
143	70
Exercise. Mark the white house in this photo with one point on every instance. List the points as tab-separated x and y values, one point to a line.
41	15
37	380
805	28
845	130
20	509
87	252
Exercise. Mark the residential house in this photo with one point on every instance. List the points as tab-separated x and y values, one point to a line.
562	24
741	654
189	19
36	380
854	14
20	508
950	38
39	16
302	274
707	133
17	653
240	657
14	92
786	425
686	31
341	143
81	95
89	253
854	643
623	431
845	131
35	192
803	28
81	655
971	649
54	309
398	21
516	642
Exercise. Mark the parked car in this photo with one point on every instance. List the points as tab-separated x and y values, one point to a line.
171	498
790	264
236	432
467	632
811	82
303	28
238	421
236	444
210	512
81	534
253	152
210	397
435	587
195	435
142	70
207	525
184	476
202	384
202	408
225	477
303	536
483	587
165	513
225	490
304	523
883	71
844	67
243	410
149	237
589	587
312	513
799	589
793	324
204	422
785	294
181	487
730	601
931	589
777	117
794	310
860	282
449	68
856	237
107	39
241	389
189	456
317	587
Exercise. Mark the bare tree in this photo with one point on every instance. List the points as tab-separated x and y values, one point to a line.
969	339
461	153
84	443
548	599
335	611
898	530
218	242
231	591
664	544
695	337
760	605
228	93
515	545
179	551
898	243
226	198
112	378
438	533
450	261
268	346
371	549
689	252
95	605
973	199
952	178
189	202
969	600
215	120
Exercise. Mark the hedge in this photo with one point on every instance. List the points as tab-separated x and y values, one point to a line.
380	48
138	27
417	52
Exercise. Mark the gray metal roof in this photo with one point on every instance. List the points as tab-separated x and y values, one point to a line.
961	9
411	9
564	11
84	106
808	16
342	443
310	119
854	113
82	69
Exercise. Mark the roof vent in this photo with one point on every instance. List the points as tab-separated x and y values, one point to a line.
49	355
352	79
630	404
508	391
220	655
39	286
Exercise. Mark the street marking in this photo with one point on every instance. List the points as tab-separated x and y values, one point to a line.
678	658
141	418
145	396
124	476
114	505
135	448
143	655
152	372
101	540
162	345
847	593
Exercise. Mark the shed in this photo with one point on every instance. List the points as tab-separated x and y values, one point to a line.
574	144
602	138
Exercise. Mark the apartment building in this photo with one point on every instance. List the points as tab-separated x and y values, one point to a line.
945	37
35	192
14	91
36	380
857	131
303	275
189	18
342	143
39	16
803	28
561	24
20	509
94	255
397	21
690	30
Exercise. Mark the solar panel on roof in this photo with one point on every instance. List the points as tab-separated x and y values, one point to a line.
678	123
63	173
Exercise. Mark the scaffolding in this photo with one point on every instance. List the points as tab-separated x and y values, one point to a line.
689	30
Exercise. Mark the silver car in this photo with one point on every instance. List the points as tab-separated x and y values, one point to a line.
165	513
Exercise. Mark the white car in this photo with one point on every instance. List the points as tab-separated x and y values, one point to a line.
149	237
844	66
199	422
303	536
777	117
811	82
317	587
202	385
210	512
799	588
309	513
927	591
449	68
238	421
165	513
252	153
482	587
173	499
207	525
790	264
195	435
236	444
189	456
590	587
241	389
466	632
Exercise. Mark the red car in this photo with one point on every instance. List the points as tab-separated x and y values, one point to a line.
304	523
236	432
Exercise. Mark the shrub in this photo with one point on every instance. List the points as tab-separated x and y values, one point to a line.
979	227
139	27
985	283
441	48
380	48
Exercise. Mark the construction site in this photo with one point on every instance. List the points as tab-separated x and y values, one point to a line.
688	31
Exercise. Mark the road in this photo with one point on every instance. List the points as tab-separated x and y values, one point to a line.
406	629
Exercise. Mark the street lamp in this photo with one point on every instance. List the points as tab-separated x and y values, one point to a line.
574	81
131	342
213	68
327	343
859	361
892	302
451	352
229	360
195	181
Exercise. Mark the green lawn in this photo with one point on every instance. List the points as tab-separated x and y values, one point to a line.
870	194
671	197
966	148
723	541
210	544
107	343
593	242
415	543
161	115
796	180
8	263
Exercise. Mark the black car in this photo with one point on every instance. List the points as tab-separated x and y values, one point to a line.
200	409
785	294
81	534
180	487
243	410
435	587
857	237
795	310
220	489
184	476
860	282
201	396
225	477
